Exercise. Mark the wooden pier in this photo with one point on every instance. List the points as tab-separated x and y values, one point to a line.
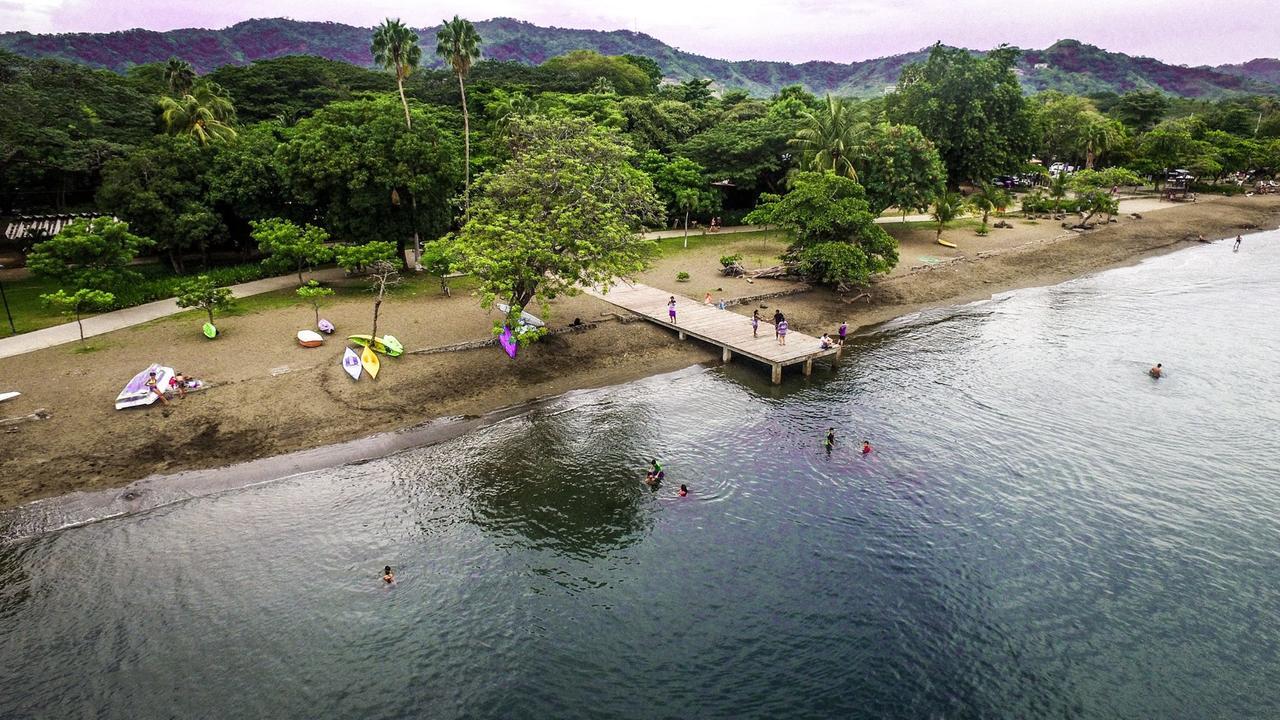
728	330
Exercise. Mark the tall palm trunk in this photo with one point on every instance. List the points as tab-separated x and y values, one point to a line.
400	84
413	199
466	145
686	228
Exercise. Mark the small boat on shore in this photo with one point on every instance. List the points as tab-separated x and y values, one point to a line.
525	318
351	363
8	395
387	344
369	359
310	338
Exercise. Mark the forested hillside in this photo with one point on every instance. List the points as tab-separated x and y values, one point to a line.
1068	66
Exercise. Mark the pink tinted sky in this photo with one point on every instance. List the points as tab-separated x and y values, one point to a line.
1180	31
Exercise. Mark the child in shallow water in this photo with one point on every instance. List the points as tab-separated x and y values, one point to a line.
683	491
388	577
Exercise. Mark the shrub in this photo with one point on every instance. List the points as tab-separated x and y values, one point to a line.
729	260
682	276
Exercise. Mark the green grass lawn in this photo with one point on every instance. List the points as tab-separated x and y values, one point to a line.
29	313
25	306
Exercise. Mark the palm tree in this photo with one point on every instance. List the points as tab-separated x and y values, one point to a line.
947	206
458	44
179	75
395	47
1099	135
830	137
988	198
205	113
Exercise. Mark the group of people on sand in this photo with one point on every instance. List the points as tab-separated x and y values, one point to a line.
178	383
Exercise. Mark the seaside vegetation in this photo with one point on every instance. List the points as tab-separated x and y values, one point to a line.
452	169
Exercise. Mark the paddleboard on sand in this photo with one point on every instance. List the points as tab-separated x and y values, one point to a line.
8	395
210	331
387	344
370	362
946	243
351	363
309	338
325	326
525	318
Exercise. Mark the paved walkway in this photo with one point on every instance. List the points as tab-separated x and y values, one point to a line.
107	322
729	330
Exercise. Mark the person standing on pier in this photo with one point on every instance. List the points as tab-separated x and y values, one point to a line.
755	323
782	331
671	309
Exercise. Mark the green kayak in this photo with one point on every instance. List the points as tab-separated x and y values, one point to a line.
210	331
387	344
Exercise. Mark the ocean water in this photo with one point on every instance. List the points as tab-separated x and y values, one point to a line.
1042	531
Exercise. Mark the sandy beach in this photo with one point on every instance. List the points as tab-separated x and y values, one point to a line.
269	396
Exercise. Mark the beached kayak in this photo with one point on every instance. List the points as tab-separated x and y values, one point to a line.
387	344
351	363
369	359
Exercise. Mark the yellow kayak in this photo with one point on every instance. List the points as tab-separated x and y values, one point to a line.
370	362
946	243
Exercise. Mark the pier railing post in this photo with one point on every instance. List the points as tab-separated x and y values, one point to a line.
808	367
777	373
726	355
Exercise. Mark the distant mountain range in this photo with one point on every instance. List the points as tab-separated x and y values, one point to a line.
1067	65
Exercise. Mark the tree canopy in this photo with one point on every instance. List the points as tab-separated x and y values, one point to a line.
88	253
970	107
834	236
564	211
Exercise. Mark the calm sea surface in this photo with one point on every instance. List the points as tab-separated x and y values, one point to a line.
1041	532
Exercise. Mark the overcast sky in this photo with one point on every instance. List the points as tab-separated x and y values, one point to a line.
1193	32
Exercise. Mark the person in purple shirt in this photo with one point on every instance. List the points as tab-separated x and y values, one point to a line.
671	309
844	330
782	331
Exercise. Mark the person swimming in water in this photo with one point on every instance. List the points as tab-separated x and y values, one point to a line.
866	447
656	468
831	438
651	479
388	576
683	491
1156	371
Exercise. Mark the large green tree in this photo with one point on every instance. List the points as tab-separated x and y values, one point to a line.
161	189
291	247
899	167
88	253
834	236
754	155
354	162
970	107
564	211
458	44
